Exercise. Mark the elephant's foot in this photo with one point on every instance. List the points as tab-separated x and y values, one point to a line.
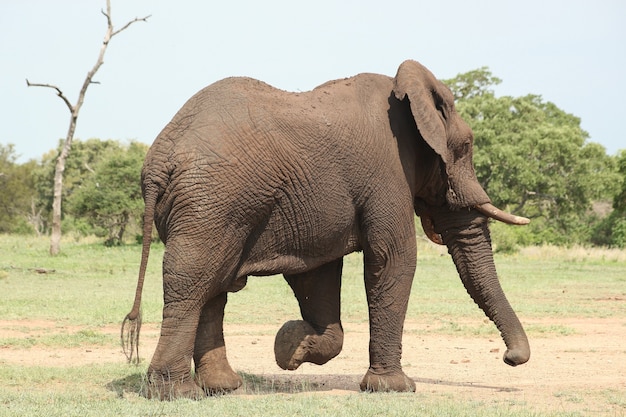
213	372
168	389
297	342
217	377
385	382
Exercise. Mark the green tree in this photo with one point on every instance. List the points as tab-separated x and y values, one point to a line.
619	202
16	192
473	84
85	155
109	198
534	159
612	231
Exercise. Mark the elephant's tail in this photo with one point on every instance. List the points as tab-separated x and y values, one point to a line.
132	322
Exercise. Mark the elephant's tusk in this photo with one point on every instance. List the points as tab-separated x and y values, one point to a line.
429	230
492	211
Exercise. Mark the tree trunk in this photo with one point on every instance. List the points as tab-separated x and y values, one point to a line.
122	229
34	218
55	236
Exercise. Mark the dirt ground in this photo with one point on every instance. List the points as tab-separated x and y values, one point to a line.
584	371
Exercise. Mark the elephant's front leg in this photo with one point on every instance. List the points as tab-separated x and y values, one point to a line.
213	372
388	284
318	338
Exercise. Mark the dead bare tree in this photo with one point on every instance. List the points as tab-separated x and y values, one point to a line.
55	237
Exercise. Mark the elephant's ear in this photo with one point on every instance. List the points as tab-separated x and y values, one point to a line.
427	97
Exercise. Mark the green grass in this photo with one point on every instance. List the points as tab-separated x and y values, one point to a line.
84	397
107	275
62	340
90	286
536	287
81	404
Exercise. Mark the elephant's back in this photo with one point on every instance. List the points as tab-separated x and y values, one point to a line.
243	123
230	94
227	110
234	92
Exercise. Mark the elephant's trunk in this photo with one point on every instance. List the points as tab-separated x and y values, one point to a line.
469	244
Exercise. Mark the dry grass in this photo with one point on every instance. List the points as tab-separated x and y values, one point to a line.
574	254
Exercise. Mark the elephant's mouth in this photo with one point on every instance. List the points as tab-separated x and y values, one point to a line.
487	209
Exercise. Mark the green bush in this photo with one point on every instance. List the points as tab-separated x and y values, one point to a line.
618	235
20	226
504	238
611	231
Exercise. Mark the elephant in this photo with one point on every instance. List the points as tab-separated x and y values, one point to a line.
247	179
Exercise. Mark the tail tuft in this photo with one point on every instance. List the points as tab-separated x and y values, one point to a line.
130	337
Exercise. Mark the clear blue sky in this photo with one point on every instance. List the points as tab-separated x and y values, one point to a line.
571	52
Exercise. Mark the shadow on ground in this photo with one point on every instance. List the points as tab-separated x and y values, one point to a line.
290	384
131	384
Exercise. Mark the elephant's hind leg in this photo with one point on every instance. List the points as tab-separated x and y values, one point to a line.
169	373
213	372
318	338
191	296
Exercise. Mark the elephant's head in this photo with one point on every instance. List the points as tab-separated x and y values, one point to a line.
453	206
447	176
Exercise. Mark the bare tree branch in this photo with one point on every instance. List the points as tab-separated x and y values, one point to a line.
59	92
88	168
107	14
135	20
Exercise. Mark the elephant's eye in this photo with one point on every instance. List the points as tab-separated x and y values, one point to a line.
467	148
462	151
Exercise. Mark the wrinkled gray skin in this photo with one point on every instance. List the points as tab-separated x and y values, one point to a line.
250	180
